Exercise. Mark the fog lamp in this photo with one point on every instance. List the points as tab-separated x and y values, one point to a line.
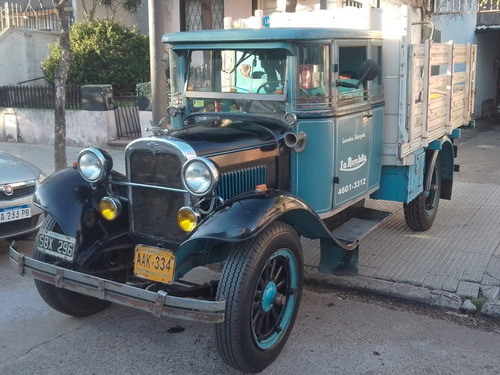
110	208
187	219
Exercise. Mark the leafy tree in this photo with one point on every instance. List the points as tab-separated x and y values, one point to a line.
102	51
129	6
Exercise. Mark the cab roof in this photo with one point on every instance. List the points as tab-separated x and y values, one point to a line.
285	34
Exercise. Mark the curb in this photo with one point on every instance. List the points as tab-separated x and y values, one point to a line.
405	292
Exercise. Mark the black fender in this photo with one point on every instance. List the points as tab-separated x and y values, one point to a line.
446	157
73	203
246	216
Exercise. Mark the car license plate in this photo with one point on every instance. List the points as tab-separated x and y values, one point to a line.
154	264
56	245
15	213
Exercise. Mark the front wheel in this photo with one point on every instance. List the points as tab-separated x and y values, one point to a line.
421	211
262	285
64	301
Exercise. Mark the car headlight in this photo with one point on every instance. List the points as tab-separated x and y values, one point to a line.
200	176
40	178
94	164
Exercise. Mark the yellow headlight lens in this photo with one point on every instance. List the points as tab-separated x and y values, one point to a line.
110	208
187	219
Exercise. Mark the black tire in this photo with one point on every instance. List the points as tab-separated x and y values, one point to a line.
421	211
262	284
64	301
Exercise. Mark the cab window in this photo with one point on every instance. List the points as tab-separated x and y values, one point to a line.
313	78
350	59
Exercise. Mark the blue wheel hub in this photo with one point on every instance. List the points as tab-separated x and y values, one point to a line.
268	296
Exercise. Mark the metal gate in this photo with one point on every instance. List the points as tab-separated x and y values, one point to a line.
128	124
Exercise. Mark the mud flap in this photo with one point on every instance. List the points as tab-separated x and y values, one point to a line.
335	260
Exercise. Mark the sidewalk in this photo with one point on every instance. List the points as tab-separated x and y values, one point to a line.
457	260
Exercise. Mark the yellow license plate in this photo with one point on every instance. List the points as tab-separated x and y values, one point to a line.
154	264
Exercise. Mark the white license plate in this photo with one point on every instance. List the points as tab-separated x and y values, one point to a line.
15	213
57	245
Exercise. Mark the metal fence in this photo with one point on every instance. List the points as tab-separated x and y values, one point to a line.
128	124
26	17
456	6
41	97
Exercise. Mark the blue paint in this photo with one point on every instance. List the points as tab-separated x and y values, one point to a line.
268	296
290	304
402	183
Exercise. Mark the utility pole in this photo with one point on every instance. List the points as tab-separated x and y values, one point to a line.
156	20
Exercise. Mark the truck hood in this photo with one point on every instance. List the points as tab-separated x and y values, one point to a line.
209	135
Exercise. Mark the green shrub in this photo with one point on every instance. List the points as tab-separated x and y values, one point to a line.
103	51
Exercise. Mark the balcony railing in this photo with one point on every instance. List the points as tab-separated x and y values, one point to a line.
14	15
488	15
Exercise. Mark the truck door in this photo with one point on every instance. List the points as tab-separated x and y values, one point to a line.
353	125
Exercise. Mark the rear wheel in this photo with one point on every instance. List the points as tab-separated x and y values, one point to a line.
262	285
421	211
64	301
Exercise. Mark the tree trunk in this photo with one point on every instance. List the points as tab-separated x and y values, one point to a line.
61	76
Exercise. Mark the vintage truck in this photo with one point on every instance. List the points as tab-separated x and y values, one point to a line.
276	133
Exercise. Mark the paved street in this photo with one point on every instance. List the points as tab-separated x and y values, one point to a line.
335	333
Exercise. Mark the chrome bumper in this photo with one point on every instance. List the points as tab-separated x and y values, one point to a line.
158	303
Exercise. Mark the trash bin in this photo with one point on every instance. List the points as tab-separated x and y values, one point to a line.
97	97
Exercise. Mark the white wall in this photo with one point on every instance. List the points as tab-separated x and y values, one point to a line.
461	29
83	128
21	54
237	9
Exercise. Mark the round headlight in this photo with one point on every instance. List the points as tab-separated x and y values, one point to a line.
187	219
93	165
110	208
200	176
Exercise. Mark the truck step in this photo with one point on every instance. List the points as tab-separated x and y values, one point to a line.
358	226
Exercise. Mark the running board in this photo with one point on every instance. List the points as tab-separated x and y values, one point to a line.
336	260
358	226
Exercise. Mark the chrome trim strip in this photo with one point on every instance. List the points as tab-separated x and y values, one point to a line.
133	184
17	185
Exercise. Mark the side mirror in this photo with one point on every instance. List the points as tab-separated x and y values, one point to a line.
367	72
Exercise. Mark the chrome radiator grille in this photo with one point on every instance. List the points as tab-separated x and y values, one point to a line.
154	211
237	182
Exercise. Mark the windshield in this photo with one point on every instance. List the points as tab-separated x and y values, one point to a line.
236	80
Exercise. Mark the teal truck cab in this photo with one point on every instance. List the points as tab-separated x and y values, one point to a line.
276	133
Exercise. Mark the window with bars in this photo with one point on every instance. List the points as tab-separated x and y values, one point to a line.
203	14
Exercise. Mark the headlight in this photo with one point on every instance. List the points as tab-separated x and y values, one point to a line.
40	178
187	219
200	176
94	164
110	208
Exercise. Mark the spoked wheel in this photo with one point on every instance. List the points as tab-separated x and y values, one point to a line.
421	211
62	300
262	285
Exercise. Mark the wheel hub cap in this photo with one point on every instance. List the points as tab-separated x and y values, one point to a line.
268	296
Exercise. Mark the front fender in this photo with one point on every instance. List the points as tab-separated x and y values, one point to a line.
73	203
245	217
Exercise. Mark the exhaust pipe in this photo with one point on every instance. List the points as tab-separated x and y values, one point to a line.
297	142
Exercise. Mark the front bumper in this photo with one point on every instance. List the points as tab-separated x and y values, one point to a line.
158	303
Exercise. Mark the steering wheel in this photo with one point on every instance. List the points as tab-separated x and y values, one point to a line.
267	83
271	106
